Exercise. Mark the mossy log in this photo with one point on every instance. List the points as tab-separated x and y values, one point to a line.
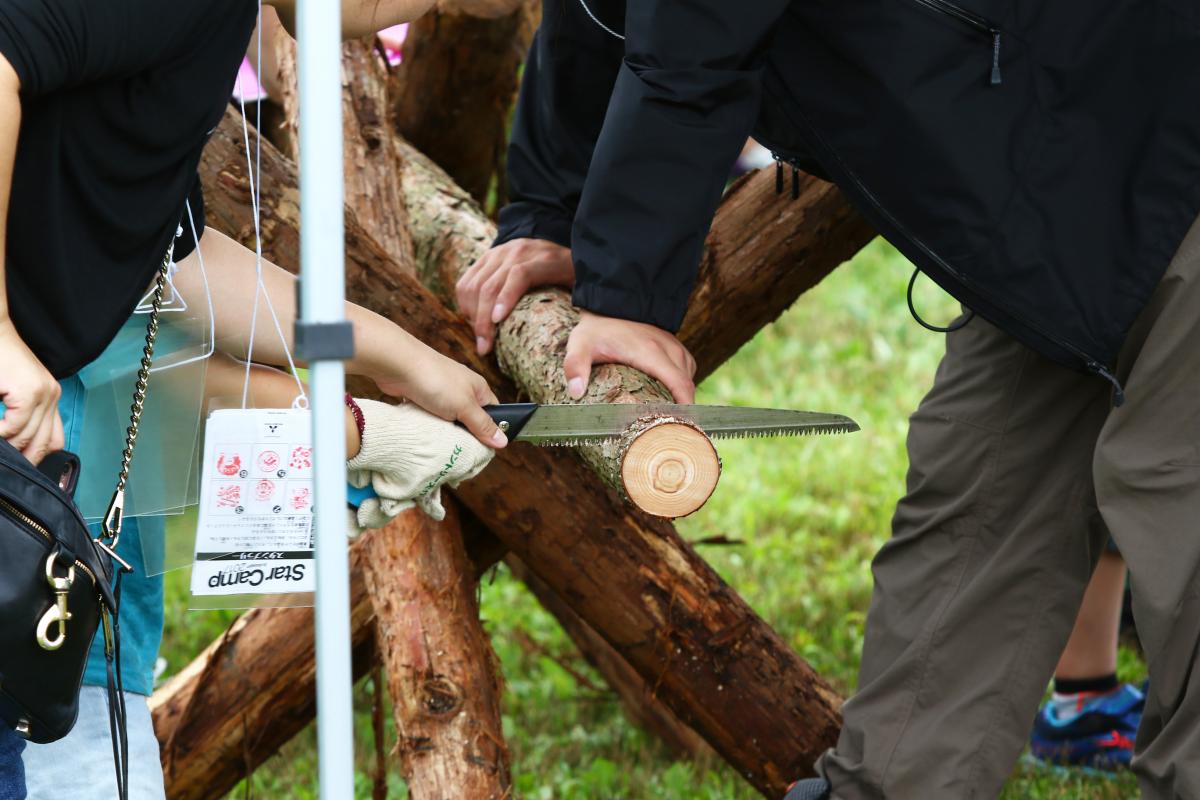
452	92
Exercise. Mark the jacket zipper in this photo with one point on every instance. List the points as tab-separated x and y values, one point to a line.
780	160
39	529
970	19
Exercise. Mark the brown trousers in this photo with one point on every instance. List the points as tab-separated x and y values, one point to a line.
1019	469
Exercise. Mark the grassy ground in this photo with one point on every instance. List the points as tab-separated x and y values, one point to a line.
807	515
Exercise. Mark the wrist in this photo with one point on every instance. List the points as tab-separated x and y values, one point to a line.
354	425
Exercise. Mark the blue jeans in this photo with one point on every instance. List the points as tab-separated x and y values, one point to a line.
12	769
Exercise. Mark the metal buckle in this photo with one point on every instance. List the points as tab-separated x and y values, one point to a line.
57	613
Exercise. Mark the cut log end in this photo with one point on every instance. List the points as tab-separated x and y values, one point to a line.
669	468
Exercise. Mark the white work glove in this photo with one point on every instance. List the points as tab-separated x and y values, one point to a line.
406	455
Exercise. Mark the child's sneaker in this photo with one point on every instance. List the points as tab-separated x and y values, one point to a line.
809	789
1089	730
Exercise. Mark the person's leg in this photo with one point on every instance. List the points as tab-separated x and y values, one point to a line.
1091	652
976	592
12	769
80	766
1147	472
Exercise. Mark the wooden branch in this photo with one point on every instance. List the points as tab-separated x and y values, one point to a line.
254	688
630	576
440	666
637	698
457	83
371	156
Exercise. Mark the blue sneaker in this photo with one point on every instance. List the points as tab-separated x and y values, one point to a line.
809	789
1097	733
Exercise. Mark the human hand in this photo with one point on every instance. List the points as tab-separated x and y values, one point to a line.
30	393
607	340
488	290
406	456
447	389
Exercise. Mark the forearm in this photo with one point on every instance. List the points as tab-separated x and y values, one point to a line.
269	388
382	348
10	128
360	17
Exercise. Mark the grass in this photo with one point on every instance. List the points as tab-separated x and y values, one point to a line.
807	516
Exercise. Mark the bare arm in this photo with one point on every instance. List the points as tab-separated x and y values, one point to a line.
360	17
30	394
269	388
399	363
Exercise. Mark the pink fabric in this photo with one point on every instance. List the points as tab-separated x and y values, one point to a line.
247	87
392	39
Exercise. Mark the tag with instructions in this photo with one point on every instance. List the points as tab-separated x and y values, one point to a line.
254	533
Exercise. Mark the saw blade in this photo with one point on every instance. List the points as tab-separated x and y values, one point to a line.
590	424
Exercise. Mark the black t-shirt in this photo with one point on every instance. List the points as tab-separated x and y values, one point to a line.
118	98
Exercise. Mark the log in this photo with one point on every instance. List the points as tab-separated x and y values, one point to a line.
630	576
371	156
458	80
440	666
669	467
637	697
254	688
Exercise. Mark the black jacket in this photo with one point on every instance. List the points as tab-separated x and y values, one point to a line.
1039	160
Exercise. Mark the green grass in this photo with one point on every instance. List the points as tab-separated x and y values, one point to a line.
807	514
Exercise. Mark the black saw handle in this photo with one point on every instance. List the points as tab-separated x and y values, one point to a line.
511	417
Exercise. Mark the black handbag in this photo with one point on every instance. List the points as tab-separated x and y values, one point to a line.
57	584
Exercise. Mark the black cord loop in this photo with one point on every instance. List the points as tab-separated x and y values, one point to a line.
912	309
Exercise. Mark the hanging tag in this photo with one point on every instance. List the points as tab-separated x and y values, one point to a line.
254	536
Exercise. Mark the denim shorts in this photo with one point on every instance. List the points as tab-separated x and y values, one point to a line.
80	766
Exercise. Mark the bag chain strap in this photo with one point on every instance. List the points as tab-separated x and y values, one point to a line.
114	517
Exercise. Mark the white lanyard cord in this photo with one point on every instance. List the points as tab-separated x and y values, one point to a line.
254	170
596	20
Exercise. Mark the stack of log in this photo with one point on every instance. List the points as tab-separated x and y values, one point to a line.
690	659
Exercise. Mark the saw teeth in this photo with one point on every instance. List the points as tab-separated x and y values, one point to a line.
771	432
581	442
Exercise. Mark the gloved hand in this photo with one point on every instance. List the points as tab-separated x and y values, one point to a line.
406	455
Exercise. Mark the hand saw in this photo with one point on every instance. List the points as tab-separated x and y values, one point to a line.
585	424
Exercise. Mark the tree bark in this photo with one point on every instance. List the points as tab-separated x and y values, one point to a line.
631	577
457	82
441	670
637	698
764	251
372	159
254	688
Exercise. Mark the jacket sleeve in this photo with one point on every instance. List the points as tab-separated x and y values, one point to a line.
60	44
568	80
685	101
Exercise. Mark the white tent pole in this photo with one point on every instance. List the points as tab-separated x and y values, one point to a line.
323	339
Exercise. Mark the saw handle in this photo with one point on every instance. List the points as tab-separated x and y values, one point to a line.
511	417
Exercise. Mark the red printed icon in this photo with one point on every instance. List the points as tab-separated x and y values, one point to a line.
301	498
268	461
263	490
229	495
229	464
301	457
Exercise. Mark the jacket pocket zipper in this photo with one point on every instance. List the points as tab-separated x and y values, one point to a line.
970	19
39	529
